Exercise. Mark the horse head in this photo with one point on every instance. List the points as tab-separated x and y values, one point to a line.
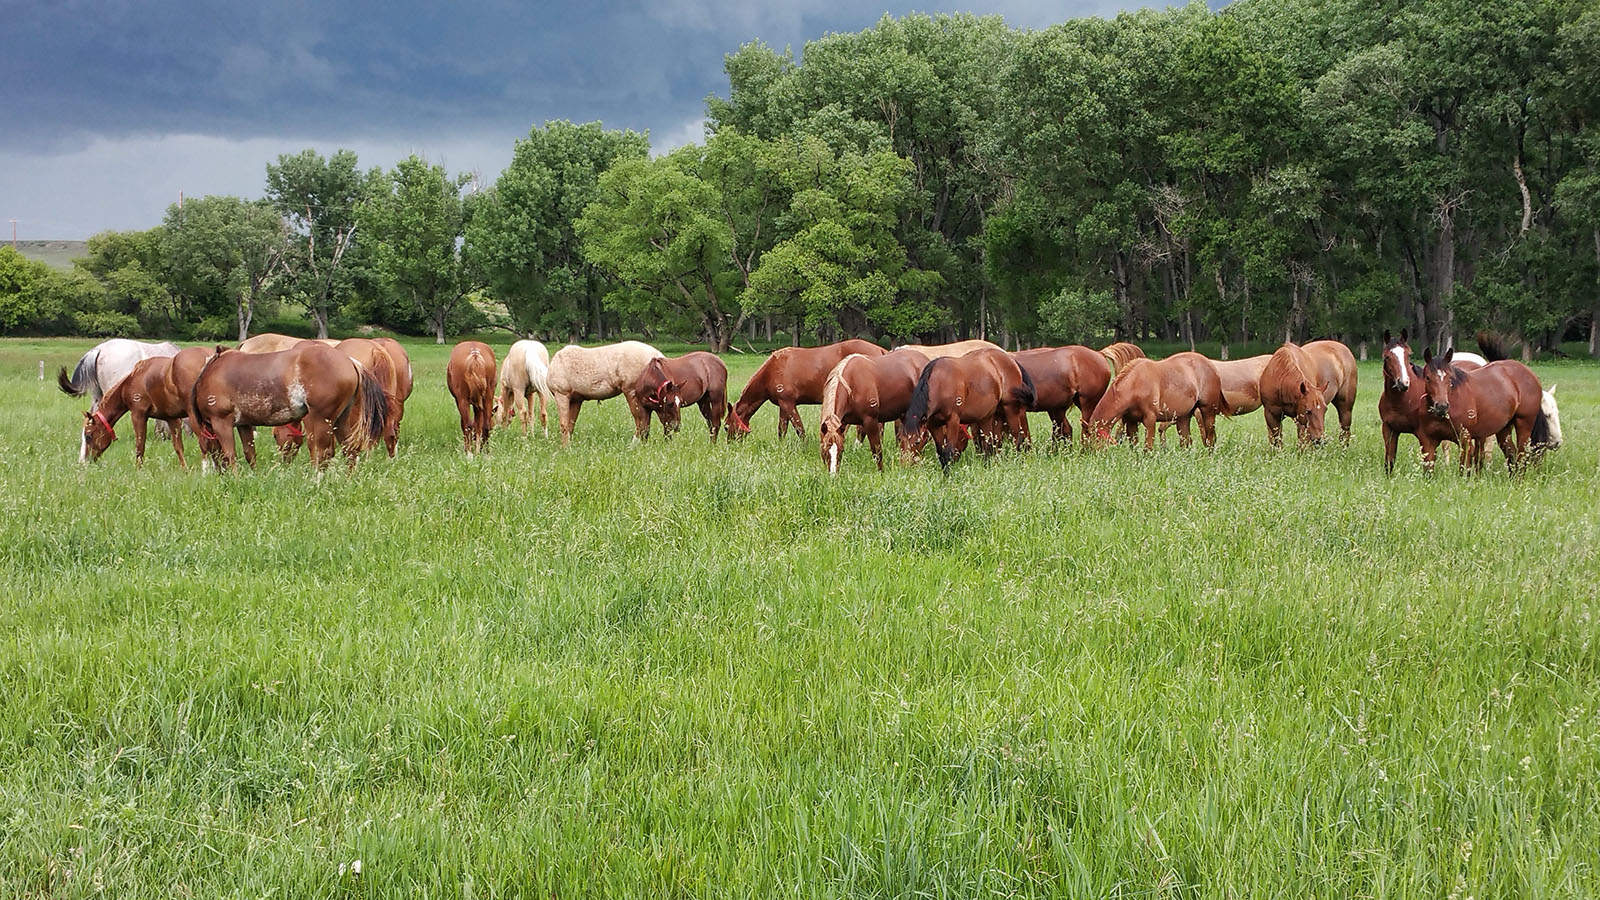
1436	378
97	435
832	435
1396	362
1552	418
1311	417
738	427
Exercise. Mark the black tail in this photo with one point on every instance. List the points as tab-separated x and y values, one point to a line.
918	410
79	381
1492	346
1025	394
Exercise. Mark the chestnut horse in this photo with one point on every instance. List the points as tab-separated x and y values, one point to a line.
866	391
792	376
1301	382
1402	406
376	358
599	373
470	377
1120	354
666	384
272	342
144	394
1147	392
985	388
525	372
338	399
402	388
944	351
1497	399
1064	377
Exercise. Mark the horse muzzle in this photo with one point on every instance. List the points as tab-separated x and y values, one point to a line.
1442	410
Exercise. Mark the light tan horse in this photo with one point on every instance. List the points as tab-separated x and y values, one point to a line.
598	373
525	372
272	342
944	351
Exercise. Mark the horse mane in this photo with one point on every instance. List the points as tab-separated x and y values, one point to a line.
78	383
1541	429
831	387
1492	346
918	410
1120	354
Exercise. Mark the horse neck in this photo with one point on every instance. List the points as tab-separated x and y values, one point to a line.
755	393
113	404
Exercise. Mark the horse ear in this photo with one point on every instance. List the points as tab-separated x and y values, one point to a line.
1303	389
1386	339
1403	337
87	416
1427	355
1448	355
1552	390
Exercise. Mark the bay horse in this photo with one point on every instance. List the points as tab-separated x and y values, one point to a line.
376	358
1494	349
470	377
985	388
1147	392
1402	405
1494	400
958	348
866	391
525	372
599	373
698	378
340	401
1064	377
146	393
790	377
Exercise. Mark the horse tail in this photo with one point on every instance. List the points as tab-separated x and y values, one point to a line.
538	377
200	428
1024	394
1492	346
383	369
918	410
79	381
373	415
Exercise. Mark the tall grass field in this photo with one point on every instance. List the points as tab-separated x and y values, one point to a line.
679	669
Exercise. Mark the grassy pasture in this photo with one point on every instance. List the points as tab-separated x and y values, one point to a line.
677	669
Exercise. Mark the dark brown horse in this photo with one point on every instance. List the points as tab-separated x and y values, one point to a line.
1403	405
470	377
375	357
143	395
866	391
985	388
340	402
1064	377
1148	392
790	377
698	378
1499	399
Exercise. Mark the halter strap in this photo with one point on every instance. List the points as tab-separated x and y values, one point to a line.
101	418
294	430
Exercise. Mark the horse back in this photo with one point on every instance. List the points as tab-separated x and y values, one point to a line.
1333	364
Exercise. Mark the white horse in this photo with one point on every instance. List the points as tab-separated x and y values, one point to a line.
103	368
525	372
1551	439
596	373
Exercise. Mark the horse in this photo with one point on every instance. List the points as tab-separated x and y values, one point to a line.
470	378
272	342
943	351
986	388
402	388
1064	377
1494	349
1147	392
792	376
1120	354
599	373
339	400
375	357
1497	399
525	372
866	391
105	364
1402	406
146	393
1301	383
666	384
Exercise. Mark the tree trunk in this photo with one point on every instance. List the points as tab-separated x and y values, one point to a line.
769	328
794	336
438	329
246	313
983	313
1363	356
320	314
1594	320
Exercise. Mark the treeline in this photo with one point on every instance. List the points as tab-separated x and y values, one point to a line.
1278	169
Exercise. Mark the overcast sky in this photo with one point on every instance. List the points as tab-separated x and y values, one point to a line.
108	108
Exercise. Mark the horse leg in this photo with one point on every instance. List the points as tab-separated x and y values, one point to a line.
567	407
792	413
1391	443
1208	427
1509	450
712	410
1430	452
1184	439
1150	431
224	430
176	428
485	423
1274	429
468	430
641	419
940	435
247	437
1345	413
544	420
139	434
874	432
1017	424
319	441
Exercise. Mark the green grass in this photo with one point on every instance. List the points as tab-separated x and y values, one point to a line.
677	669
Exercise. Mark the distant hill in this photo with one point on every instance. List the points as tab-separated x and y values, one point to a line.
56	254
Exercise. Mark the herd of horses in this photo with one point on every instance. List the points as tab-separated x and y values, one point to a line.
350	395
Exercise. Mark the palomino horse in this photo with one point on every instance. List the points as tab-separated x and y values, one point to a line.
525	372
1148	392
790	377
107	363
1403	407
338	399
1496	399
470	377
1120	354
1064	377
667	384
599	373
272	342
145	394
943	351
985	388
375	357
866	391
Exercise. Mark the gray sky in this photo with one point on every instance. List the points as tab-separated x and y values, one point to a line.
111	107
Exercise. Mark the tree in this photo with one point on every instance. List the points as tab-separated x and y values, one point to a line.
224	250
414	217
319	198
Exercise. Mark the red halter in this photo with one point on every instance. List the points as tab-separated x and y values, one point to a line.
294	430
101	418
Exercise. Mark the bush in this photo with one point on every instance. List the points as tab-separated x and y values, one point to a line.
104	324
215	328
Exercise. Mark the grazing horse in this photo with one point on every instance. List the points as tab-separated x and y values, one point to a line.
599	373
1497	399
340	401
1402	406
146	393
375	357
985	388
943	351
866	391
1147	392
1241	382
1120	354
525	372
790	377
272	342
667	384
402	388
1292	386
1064	377
470	377
107	363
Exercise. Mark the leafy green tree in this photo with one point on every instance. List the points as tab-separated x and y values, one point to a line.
222	252
415	217
319	198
